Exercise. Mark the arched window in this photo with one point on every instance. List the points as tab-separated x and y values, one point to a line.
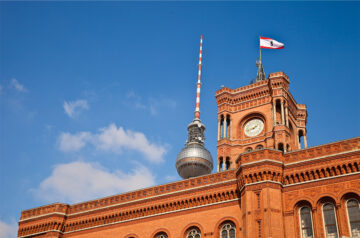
228	230
288	148
220	164
281	147
248	149
306	226
329	218
161	235
278	112
301	134
228	128
222	125
227	165
193	232
259	147
353	210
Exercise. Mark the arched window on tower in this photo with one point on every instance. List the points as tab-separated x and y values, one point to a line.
228	230
193	232
288	148
301	139
281	147
259	147
228	128
220	168
306	226
227	163
329	218
161	235
353	210
222	125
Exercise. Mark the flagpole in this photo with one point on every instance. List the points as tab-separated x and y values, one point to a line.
260	50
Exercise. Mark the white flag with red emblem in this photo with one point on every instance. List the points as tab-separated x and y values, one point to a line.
269	43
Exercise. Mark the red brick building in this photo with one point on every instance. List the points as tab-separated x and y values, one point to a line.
267	184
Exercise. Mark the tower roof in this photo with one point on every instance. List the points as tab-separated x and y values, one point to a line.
260	76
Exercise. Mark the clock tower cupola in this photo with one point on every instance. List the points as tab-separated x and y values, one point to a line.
260	115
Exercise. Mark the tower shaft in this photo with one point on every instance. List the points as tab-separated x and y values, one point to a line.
198	86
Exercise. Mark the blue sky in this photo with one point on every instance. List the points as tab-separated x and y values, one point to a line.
95	97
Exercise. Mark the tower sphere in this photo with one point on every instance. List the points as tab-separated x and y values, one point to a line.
194	160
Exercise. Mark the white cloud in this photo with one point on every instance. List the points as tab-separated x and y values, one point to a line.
171	178
155	105
74	108
113	139
18	86
152	105
73	142
80	181
8	230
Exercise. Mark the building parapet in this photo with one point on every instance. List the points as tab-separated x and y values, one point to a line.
302	155
241	89
322	150
60	208
132	196
278	75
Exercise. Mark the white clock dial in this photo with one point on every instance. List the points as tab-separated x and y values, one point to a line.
254	127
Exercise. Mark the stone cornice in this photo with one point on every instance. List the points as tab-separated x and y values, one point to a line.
129	220
327	157
320	179
261	162
159	214
242	89
127	198
304	155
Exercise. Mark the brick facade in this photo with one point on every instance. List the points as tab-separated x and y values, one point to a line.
260	190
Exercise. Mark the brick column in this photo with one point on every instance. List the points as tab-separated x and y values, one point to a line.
219	128
342	215
274	112
282	113
340	221
287	116
230	134
224	127
315	222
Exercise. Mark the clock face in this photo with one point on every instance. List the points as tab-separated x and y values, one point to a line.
254	127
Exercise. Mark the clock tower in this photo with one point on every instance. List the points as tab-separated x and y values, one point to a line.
260	115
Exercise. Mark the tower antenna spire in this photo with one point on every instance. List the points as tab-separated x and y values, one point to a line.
195	160
198	85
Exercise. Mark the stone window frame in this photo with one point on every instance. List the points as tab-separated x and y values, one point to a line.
191	229
348	215
227	223
312	221
323	218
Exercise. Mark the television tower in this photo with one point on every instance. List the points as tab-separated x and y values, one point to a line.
195	160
